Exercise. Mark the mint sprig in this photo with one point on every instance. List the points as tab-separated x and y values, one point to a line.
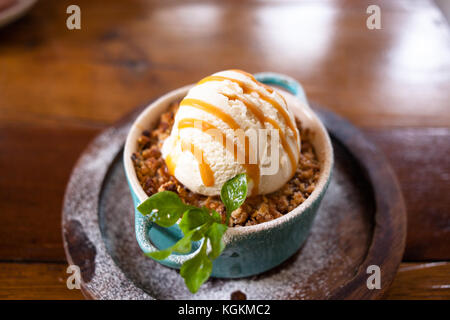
197	270
166	208
233	193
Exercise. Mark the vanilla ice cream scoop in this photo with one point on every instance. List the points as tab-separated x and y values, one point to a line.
229	123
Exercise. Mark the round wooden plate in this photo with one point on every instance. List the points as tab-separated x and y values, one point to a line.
361	222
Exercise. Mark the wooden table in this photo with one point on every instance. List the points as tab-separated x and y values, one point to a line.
59	88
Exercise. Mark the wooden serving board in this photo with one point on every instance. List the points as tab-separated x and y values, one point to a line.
361	222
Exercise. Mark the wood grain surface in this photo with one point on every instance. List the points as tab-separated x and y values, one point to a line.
59	88
35	281
48	281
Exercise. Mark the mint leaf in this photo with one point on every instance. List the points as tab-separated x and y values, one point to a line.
184	245
215	234
216	216
197	270
193	219
160	255
233	193
164	208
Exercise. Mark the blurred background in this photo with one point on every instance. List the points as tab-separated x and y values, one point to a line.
61	87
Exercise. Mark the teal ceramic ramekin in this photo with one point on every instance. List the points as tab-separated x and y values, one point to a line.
253	249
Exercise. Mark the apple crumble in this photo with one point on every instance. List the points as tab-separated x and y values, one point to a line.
152	173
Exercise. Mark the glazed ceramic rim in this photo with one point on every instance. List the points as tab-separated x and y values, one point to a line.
321	137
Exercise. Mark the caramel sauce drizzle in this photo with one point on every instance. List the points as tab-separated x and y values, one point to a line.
251	169
247	89
206	173
205	170
285	145
268	88
207	107
262	119
171	163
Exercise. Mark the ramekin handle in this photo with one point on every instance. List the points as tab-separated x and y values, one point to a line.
143	226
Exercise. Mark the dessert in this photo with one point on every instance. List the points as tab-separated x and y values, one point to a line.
163	163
